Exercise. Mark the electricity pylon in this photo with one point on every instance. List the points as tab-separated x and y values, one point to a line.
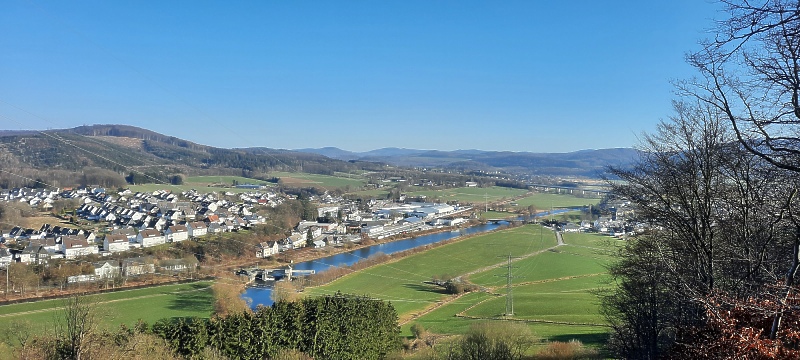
509	290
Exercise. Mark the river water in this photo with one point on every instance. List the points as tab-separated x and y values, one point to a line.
262	295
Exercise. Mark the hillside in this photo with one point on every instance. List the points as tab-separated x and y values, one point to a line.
67	154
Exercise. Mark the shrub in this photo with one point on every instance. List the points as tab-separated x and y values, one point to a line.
573	349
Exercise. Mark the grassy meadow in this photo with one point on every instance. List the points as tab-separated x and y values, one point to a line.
402	281
473	195
121	307
205	183
497	214
546	201
553	293
323	181
202	184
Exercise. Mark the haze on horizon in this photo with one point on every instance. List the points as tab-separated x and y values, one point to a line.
513	76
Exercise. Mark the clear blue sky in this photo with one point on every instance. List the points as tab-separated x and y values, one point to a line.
541	76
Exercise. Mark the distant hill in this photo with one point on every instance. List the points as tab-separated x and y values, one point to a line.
55	154
109	152
590	163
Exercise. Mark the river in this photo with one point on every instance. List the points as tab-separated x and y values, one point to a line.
262	296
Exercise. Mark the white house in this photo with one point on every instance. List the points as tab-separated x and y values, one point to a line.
197	228
267	248
6	257
129	233
105	270
116	243
73	246
150	237
297	240
176	233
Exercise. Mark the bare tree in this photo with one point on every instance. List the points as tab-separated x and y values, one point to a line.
76	326
750	73
716	226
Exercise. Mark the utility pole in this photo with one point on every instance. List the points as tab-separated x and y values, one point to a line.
509	290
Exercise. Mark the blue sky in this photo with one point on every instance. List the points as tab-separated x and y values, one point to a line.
541	76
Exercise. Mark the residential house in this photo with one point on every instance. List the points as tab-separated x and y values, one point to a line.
176	233
138	266
214	228
32	254
129	233
116	243
150	237
49	244
297	240
267	248
176	265
197	228
6	257
106	270
73	246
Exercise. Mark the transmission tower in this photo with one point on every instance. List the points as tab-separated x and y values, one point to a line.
509	290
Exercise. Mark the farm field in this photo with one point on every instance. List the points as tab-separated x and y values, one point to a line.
226	180
553	294
497	214
324	181
402	281
545	201
122	307
201	184
376	193
473	195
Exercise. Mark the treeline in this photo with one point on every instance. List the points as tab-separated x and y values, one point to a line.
329	327
38	179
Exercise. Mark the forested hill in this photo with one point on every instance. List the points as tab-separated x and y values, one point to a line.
121	149
589	163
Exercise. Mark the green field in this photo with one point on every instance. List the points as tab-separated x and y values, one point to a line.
324	181
201	183
401	282
381	193
545	201
473	195
498	214
553	290
226	180
122	307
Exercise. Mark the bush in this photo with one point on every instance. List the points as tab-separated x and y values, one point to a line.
573	349
418	331
458	287
494	341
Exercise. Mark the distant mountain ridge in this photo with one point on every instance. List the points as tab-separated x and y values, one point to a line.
122	148
590	162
